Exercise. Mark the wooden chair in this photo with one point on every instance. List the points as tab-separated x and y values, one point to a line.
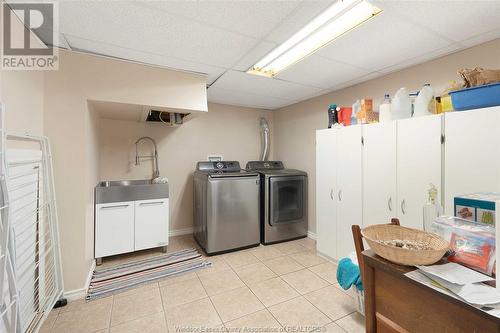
358	244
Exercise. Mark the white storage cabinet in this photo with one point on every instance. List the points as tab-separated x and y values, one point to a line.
122	227
389	175
338	194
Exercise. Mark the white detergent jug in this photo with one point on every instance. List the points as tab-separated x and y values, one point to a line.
401	105
424	101
385	113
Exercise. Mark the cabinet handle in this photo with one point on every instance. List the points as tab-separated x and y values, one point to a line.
151	203
403	206
340	195
389	204
331	194
116	206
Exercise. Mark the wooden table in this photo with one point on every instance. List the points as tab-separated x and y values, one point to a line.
396	303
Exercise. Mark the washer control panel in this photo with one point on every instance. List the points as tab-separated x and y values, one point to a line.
219	166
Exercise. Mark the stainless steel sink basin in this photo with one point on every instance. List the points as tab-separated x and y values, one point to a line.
129	190
109	183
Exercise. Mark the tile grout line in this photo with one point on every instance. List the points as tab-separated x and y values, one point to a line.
111	312
163	306
211	302
129	320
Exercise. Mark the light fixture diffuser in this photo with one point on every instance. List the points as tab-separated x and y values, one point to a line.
338	19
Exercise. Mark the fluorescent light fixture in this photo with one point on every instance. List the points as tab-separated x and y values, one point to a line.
341	17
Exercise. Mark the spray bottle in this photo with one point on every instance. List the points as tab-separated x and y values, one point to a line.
432	209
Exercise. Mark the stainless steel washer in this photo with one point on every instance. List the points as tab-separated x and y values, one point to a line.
283	201
226	207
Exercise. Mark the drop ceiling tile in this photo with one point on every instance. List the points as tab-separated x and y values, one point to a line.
321	72
421	59
251	18
264	86
128	25
359	80
84	45
382	41
303	14
456	20
482	38
254	55
244	98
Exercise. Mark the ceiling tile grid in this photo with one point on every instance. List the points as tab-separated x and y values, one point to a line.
225	38
261	85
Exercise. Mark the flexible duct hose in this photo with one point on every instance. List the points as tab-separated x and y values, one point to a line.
264	131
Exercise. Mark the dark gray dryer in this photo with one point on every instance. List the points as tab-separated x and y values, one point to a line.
283	204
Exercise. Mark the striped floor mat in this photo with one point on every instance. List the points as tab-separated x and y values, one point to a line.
111	280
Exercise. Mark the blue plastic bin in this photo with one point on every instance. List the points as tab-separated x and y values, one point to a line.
476	97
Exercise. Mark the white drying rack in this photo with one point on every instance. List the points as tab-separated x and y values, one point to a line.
30	267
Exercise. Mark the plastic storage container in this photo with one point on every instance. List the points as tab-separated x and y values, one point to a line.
471	244
476	97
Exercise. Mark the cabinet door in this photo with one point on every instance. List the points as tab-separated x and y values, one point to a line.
471	153
419	165
349	189
326	176
379	173
114	228
151	223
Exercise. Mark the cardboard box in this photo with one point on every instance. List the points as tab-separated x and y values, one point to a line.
477	207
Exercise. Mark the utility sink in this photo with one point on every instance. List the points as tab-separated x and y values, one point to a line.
129	190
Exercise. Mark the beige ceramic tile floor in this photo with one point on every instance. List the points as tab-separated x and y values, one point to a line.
276	288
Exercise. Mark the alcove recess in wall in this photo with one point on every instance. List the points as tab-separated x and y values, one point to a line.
140	113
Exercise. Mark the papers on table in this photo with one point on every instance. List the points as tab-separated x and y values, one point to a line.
460	281
455	273
417	275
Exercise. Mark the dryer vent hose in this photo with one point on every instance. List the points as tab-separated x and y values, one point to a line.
264	131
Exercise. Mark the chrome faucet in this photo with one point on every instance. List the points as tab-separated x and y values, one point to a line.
156	171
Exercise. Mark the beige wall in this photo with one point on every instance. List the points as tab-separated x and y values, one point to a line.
72	130
22	92
233	132
295	126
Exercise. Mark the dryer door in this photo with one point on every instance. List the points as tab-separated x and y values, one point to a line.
288	200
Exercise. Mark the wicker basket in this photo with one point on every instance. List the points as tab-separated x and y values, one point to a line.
382	232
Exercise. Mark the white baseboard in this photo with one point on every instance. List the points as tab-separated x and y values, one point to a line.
180	232
311	235
76	294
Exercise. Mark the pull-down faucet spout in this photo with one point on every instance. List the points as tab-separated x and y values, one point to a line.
156	171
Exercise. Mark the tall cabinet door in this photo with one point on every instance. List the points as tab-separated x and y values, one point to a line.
326	178
379	173
419	165
349	187
471	153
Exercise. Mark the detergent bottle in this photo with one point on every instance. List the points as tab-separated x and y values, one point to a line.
424	103
401	105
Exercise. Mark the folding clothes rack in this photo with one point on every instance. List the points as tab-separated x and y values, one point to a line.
30	267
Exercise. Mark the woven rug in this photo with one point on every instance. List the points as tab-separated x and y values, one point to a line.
111	280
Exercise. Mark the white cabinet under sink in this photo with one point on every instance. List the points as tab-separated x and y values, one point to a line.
122	227
151	223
